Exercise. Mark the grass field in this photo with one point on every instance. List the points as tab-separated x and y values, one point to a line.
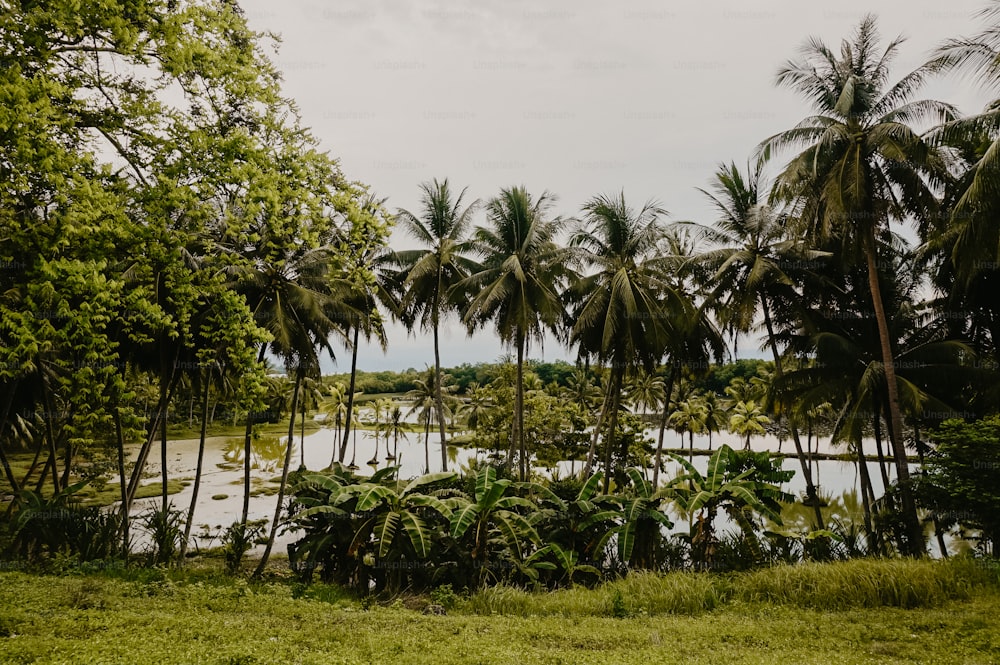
153	616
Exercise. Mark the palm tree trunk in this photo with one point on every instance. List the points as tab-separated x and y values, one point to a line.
867	498
914	541
668	391
877	428
284	477
517	437
247	453
427	442
350	392
438	399
206	374
588	469
804	462
616	398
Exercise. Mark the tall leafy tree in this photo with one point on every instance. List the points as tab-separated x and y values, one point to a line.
622	302
754	264
517	285
863	166
430	273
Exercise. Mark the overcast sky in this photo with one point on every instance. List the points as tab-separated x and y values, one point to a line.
577	97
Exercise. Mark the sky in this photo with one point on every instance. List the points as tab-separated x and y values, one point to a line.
577	97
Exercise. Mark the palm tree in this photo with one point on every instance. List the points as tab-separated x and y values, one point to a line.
423	400
645	391
396	428
975	241
689	417
335	406
747	419
429	274
751	268
621	306
517	287
862	166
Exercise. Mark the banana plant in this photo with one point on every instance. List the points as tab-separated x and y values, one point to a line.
325	508
642	522
390	509
581	526
726	484
490	525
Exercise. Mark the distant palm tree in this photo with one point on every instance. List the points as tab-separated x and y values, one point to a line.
423	401
429	274
689	417
747	419
518	285
396	428
646	392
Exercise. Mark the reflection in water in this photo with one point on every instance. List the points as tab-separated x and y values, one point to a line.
223	483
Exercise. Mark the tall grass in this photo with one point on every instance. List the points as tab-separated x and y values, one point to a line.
867	583
826	586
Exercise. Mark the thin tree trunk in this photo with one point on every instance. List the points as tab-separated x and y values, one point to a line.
206	377
519	407
811	493
350	393
51	437
302	436
667	394
867	499
877	427
616	374
427	442
247	447
140	463
163	443
438	398
284	478
588	469
15	487
123	483
914	544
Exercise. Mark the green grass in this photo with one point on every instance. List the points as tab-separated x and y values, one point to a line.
154	616
831	586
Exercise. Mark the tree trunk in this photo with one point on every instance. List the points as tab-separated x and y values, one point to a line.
427	442
51	437
206	377
438	398
811	494
163	441
877	428
867	499
588	469
914	544
667	394
616	398
8	472
350	393
284	477
247	451
120	437
518	425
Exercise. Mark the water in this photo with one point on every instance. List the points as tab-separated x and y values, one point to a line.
213	515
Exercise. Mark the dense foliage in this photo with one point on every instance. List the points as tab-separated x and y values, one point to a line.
168	230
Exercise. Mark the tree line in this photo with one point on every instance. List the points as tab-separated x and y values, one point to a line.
167	223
